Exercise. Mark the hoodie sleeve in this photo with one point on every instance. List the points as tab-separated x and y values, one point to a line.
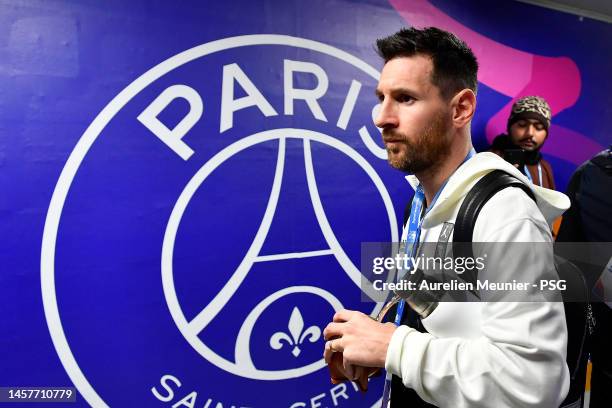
517	357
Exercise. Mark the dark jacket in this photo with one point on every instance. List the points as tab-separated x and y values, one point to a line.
502	143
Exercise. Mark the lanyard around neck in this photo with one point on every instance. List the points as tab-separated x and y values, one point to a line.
528	174
416	209
413	237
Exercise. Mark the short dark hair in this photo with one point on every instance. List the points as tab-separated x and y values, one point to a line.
454	64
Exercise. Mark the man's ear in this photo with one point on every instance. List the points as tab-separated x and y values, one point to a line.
463	106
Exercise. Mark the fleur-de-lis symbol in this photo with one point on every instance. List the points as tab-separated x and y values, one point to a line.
295	336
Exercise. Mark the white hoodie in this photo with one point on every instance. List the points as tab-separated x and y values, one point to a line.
503	354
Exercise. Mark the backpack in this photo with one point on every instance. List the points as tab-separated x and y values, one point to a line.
578	314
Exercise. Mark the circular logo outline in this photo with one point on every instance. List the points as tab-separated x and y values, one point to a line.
60	192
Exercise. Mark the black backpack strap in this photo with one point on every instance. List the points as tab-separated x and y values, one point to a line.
478	196
475	199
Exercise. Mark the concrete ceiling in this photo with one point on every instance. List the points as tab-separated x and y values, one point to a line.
596	9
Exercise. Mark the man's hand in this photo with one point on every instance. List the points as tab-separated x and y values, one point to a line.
358	374
361	340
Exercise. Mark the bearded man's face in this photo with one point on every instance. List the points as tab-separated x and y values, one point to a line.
413	115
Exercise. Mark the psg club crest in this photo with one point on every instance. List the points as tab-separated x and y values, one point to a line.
208	224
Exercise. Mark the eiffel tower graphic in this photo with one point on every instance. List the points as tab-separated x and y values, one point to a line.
243	364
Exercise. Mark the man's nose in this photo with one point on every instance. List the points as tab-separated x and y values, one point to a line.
386	116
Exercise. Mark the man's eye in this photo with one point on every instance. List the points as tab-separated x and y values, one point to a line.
405	98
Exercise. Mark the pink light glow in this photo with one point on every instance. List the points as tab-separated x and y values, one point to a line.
515	73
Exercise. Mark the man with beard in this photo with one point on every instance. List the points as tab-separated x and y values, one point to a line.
468	354
528	127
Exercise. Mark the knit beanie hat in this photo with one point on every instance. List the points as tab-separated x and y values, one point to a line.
530	107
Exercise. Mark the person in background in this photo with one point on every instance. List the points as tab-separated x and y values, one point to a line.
528	127
589	219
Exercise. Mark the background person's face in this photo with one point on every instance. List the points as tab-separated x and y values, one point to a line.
528	134
413	115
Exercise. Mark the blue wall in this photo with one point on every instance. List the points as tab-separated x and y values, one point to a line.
150	244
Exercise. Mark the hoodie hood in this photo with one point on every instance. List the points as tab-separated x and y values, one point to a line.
551	203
